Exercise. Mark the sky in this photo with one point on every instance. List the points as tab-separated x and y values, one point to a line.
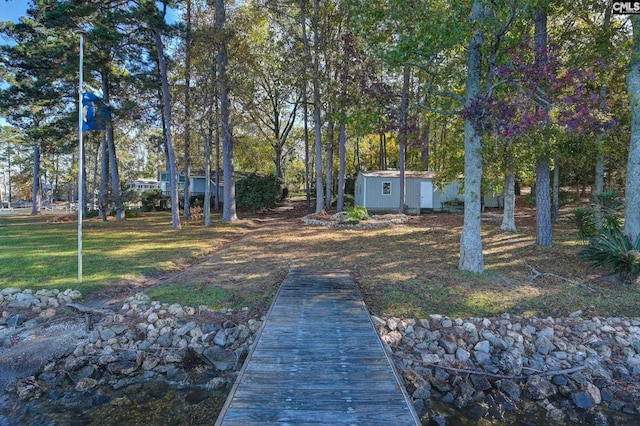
12	10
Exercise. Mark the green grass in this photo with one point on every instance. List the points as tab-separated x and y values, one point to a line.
37	254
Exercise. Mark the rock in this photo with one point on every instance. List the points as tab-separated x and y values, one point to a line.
219	358
511	362
220	338
86	384
483	358
186	328
544	345
430	358
107	334
9	291
462	355
449	346
16	320
480	382
540	387
483	346
583	400
164	340
495	341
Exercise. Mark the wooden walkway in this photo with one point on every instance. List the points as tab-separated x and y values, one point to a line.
318	360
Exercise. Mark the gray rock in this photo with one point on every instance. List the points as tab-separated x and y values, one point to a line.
511	362
540	387
423	391
480	382
123	368
462	355
107	334
85	384
495	341
449	346
221	338
544	346
164	340
16	320
483	346
583	400
219	358
186	328
119	329
483	358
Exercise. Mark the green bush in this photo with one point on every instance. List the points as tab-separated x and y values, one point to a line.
357	213
91	213
584	219
151	200
256	192
612	249
610	205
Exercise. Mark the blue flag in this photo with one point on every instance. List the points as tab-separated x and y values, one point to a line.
94	112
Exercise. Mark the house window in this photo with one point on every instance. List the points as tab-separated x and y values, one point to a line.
386	188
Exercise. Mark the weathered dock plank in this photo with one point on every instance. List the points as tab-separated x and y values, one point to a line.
318	360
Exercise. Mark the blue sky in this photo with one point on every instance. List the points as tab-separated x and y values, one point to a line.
12	10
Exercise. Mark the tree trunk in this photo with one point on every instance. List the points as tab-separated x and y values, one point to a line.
425	148
113	158
599	171
402	139
329	166
555	212
317	106
543	195
471	257
632	191
171	157
104	179
342	149
187	114
37	197
508	216
229	203
543	204
206	208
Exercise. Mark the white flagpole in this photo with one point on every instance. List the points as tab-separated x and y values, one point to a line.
80	163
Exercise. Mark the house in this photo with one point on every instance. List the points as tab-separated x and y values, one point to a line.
197	184
143	185
379	191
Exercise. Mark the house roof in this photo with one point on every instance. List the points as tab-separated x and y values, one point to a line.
396	174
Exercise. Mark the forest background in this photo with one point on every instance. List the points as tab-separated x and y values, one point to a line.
534	92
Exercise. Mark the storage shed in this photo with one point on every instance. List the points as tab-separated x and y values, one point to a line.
379	191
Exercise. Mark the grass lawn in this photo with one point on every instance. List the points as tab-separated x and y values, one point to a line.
41	252
405	270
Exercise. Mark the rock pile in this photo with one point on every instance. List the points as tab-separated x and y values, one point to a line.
567	366
340	220
143	340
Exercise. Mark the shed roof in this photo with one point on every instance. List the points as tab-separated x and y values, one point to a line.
396	174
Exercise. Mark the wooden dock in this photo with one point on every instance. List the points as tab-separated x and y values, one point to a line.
318	361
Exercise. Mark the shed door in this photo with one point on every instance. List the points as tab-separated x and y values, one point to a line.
426	194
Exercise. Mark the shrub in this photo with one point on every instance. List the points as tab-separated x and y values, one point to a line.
584	219
151	200
612	249
610	205
91	213
357	213
256	192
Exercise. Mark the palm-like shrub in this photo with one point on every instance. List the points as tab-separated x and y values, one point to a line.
584	219
610	205
612	249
